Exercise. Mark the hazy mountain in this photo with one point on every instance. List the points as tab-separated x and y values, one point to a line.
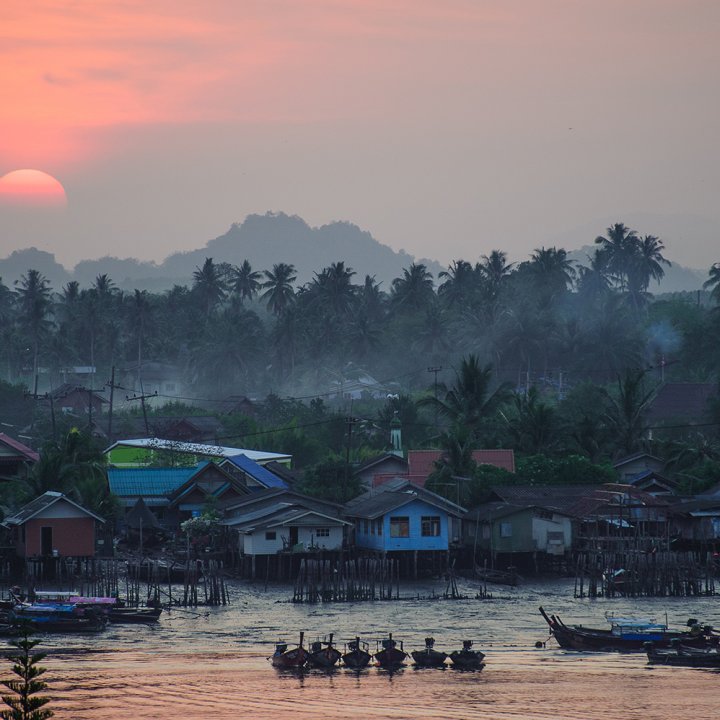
265	240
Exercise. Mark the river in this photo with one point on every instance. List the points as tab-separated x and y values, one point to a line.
213	664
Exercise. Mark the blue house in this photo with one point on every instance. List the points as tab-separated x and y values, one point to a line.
399	516
251	474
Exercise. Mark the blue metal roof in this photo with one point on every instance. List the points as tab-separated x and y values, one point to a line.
257	472
144	482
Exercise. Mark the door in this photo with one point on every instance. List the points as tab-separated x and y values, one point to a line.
46	541
293	536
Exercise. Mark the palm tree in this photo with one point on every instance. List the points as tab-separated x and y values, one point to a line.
627	410
459	284
533	425
620	248
246	281
279	294
414	290
34	304
495	270
209	285
332	288
140	316
471	399
713	282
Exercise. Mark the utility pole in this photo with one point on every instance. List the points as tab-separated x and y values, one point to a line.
435	369
112	394
350	422
142	399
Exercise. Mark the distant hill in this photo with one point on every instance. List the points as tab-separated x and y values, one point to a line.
265	240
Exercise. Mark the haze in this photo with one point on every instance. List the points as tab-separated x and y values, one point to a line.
445	128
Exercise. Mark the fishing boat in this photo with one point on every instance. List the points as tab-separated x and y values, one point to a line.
429	656
57	618
134	615
356	656
679	655
390	656
323	653
292	658
467	658
625	635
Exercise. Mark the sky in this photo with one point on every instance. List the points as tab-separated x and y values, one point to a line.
446	128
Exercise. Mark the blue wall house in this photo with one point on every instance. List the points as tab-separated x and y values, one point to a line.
401	517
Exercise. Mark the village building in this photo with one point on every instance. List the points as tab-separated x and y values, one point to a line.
53	525
401	517
144	452
178	428
631	466
73	399
16	459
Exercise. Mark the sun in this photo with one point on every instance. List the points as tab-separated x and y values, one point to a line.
31	189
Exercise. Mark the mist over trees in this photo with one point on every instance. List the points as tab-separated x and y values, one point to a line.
548	356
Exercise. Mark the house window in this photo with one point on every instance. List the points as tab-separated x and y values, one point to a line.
322	532
400	527
505	529
430	525
270	535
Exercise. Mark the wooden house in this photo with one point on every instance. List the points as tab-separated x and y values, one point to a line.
400	516
53	525
388	465
76	400
633	465
274	520
500	528
16	459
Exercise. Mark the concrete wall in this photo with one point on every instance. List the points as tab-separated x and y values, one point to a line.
72	537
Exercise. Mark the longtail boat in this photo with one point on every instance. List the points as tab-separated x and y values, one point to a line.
356	655
390	656
323	653
134	615
467	658
429	656
625	635
285	657
57	618
679	655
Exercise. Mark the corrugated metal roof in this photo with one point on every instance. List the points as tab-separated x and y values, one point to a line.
16	445
257	472
144	482
422	462
46	500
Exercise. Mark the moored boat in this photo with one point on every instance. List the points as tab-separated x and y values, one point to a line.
390	656
467	658
291	658
57	618
323	653
356	655
625	635
133	615
679	655
429	656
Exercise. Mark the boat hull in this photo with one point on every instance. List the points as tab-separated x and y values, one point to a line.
429	658
390	657
325	658
467	659
684	657
295	658
356	659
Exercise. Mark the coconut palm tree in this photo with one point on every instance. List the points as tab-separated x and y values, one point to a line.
245	281
472	398
34	307
209	285
619	246
332	289
713	282
279	294
495	270
459	285
414	290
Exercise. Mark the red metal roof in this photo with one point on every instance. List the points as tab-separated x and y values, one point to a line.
422	462
21	449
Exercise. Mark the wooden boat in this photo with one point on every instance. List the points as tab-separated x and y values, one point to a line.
429	657
467	658
291	658
356	655
390	656
324	654
57	618
625	635
133	615
679	655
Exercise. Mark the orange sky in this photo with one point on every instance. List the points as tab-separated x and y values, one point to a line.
483	122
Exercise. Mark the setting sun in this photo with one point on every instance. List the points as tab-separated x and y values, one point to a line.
31	188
